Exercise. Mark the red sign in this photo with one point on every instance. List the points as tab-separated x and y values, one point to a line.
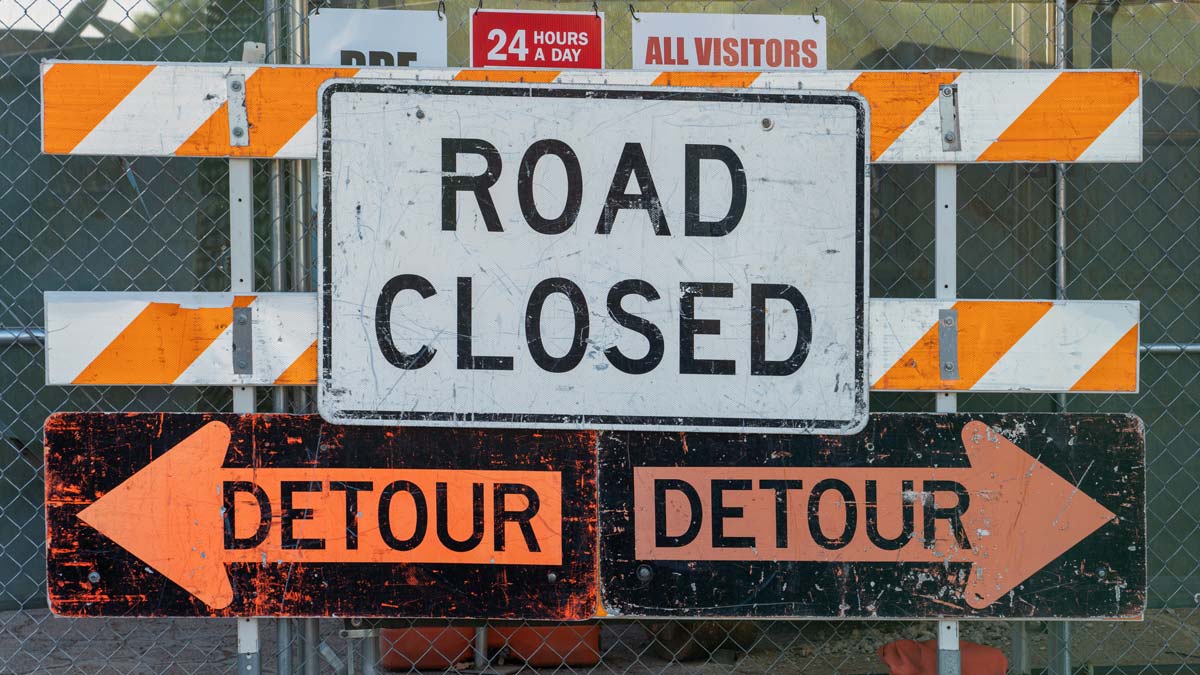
553	40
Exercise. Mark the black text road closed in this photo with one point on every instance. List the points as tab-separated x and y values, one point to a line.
600	258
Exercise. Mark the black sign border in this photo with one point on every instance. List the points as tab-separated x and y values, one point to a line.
89	454
1108	462
578	421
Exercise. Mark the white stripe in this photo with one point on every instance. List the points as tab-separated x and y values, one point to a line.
1122	138
285	324
303	144
896	326
162	112
989	105
80	325
1061	347
214	364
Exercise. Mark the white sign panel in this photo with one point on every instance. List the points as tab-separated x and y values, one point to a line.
377	37
599	258
729	42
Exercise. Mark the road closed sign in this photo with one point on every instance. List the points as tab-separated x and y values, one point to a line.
571	257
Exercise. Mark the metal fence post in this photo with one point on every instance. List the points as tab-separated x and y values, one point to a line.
945	273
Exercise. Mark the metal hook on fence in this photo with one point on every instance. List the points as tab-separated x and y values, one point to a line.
595	9
479	5
814	16
441	10
633	13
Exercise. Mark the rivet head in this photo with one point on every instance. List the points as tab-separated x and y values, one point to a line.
420	114
551	577
241	319
235	85
947	366
241	363
947	91
949	137
644	573
767	124
94	577
238	132
947	321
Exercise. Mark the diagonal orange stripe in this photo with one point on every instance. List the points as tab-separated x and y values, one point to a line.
279	102
703	79
159	344
986	331
303	370
1116	370
897	99
78	96
535	76
1067	118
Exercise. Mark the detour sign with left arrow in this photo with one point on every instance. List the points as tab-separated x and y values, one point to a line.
193	515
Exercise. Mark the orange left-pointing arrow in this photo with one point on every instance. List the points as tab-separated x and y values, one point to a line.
186	516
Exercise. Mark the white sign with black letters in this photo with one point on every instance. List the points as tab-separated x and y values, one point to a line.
377	37
599	258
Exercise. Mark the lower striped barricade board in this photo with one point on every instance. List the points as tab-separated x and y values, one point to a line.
228	339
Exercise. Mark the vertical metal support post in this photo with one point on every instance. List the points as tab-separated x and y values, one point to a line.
241	272
1020	649
949	658
481	648
1059	648
278	270
297	11
1060	631
945	275
312	636
945	249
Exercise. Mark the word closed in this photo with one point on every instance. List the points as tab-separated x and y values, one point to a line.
286	515
586	273
518	39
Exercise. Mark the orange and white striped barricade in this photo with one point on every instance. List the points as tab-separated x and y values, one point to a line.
194	339
917	117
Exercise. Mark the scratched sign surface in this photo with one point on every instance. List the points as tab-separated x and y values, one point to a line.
285	515
918	516
582	257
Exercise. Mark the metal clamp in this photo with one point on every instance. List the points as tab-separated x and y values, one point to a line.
948	108
239	125
243	341
948	343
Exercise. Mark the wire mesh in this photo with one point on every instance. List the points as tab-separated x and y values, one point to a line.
1133	232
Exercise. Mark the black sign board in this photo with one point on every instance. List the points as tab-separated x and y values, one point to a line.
919	516
286	515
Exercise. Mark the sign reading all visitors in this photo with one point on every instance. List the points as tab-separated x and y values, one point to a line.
918	516
530	39
592	257
285	515
743	42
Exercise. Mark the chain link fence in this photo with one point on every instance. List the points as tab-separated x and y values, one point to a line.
116	224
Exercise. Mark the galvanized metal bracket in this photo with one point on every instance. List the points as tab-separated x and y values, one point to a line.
948	109
249	664
243	341
239	125
948	343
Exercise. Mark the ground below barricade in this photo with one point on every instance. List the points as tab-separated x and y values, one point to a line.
37	642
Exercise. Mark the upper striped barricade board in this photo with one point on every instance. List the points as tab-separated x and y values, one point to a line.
917	117
190	339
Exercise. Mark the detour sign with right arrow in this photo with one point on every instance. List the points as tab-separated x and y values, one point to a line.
917	516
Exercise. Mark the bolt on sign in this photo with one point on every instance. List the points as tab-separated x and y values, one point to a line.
530	39
741	42
285	515
918	516
592	257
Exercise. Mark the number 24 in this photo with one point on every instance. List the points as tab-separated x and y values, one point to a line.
517	46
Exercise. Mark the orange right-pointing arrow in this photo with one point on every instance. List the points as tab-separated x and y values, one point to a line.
1020	515
1031	515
